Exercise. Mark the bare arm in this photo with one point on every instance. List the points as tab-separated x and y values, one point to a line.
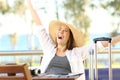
115	40
34	14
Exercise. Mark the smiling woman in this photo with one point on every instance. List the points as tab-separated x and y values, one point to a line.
58	58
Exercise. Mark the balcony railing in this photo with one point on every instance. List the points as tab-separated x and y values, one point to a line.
21	53
39	52
31	59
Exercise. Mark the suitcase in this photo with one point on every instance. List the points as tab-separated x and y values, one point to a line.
93	70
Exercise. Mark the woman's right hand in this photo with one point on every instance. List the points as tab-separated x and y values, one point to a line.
34	14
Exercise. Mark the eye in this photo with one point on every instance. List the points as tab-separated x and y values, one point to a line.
66	30
59	29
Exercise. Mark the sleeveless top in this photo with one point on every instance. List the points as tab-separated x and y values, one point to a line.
58	65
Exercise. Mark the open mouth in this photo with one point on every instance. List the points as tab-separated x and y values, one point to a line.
59	37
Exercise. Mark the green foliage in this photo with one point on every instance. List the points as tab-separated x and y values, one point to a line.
18	7
113	7
75	12
4	7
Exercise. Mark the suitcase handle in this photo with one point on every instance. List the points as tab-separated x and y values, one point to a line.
102	39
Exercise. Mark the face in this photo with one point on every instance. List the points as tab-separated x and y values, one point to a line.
63	35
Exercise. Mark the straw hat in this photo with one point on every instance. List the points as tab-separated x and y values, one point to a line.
77	35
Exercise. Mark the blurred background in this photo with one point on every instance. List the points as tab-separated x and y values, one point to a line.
95	18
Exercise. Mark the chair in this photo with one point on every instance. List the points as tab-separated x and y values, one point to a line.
15	72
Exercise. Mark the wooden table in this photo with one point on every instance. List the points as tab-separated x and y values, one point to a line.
42	78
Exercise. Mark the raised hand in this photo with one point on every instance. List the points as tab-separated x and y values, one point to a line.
34	14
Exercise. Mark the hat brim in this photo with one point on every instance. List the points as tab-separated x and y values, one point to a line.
77	35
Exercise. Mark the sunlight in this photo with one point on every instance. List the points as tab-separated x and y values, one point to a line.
100	21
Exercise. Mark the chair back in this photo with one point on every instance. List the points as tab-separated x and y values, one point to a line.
15	72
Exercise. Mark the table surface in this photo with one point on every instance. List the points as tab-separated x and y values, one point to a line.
48	78
56	77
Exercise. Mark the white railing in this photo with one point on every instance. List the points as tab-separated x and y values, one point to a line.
27	57
39	53
21	53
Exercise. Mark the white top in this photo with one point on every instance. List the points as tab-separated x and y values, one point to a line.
76	56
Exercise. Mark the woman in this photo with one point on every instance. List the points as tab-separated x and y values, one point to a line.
63	47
